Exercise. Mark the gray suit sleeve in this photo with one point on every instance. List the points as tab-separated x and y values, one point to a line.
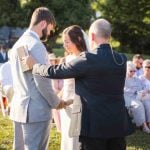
45	88
43	85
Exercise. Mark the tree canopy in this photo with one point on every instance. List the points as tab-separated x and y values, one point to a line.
66	12
130	21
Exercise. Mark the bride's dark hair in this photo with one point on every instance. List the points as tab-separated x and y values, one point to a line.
76	36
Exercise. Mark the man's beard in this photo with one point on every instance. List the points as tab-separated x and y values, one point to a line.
44	35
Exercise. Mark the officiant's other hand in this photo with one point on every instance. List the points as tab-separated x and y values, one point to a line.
29	60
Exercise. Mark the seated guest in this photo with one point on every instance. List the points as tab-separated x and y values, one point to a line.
6	85
132	99
3	54
138	61
57	85
6	80
145	78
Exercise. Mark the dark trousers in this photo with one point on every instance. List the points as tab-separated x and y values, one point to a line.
102	144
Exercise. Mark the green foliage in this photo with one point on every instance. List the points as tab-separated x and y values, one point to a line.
8	11
59	52
130	21
70	12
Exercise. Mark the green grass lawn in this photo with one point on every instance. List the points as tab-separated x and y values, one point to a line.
6	135
137	141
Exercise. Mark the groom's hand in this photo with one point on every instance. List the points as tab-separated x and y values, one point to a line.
61	105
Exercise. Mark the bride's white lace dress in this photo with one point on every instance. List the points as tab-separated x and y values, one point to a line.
68	143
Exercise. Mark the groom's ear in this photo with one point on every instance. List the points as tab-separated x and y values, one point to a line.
43	24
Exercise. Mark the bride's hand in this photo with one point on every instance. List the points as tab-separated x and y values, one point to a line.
29	60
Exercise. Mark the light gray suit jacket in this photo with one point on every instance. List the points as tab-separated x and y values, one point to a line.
33	95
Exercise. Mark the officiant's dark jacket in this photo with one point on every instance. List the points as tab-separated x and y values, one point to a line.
99	80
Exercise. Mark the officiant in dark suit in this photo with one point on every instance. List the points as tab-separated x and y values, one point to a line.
99	81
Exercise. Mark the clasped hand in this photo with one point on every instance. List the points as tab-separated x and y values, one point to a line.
64	104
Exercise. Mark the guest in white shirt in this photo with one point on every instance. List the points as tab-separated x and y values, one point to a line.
6	80
145	78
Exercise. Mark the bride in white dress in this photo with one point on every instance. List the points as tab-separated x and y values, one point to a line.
74	43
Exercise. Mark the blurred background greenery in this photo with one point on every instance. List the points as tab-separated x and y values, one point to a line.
130	19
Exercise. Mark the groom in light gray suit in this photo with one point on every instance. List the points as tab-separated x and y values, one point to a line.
33	95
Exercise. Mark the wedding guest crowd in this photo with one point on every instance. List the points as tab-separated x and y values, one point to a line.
137	91
134	94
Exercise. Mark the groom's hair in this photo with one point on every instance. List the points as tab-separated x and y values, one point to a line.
76	36
40	14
